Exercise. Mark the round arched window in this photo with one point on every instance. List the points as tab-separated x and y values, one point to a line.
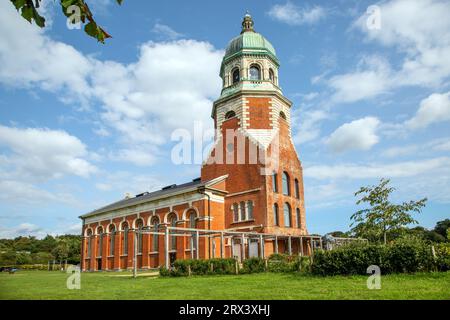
271	76
255	73
236	76
230	114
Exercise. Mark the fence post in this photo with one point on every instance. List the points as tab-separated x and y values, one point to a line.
197	235
166	247
276	244
261	245
222	246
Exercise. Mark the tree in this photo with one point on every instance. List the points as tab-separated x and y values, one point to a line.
442	227
28	9
382	216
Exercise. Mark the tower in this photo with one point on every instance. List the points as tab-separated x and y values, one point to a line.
252	114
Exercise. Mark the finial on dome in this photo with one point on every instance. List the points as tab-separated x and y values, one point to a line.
247	23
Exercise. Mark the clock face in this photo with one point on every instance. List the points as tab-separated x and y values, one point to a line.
254	73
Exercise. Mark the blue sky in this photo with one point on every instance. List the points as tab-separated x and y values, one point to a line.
83	123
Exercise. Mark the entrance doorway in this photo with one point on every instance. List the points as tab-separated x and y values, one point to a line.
99	264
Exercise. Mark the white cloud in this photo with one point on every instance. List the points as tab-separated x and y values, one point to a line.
435	108
371	78
166	32
391	170
308	127
437	145
42	154
28	58
28	229
24	229
395	152
171	85
357	135
420	30
291	14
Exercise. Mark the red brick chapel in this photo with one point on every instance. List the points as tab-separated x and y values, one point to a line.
250	191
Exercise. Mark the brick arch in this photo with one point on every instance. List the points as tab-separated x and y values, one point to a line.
169	213
109	227
136	220
86	231
97	229
150	218
185	217
122	223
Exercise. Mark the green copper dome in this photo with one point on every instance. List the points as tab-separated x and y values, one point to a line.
249	41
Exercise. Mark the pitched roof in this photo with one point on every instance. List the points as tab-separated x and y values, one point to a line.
149	196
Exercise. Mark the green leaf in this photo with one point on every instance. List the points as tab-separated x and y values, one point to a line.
27	13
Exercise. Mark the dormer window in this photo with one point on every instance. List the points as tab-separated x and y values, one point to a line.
236	76
255	73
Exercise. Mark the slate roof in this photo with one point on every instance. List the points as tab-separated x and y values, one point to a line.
148	196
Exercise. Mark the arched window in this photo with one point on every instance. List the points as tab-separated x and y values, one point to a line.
100	241
236	76
255	73
235	212
271	76
287	215
275	182
286	184
112	236
172	219
140	240
242	211
249	210
155	225
299	221
230	114
89	245
282	115
125	229
276	219
192	219
297	189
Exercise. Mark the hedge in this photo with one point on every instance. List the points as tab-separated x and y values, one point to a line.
352	259
442	251
402	256
200	267
30	267
275	263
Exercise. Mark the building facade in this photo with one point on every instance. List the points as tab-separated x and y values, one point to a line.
252	181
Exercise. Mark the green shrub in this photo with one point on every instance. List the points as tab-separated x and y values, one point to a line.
282	263
408	255
253	265
405	255
442	261
28	267
199	267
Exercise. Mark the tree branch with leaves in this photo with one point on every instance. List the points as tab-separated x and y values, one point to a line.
382	216
28	9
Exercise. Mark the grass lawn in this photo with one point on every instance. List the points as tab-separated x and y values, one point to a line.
52	285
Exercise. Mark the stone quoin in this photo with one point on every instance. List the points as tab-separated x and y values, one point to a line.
257	188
